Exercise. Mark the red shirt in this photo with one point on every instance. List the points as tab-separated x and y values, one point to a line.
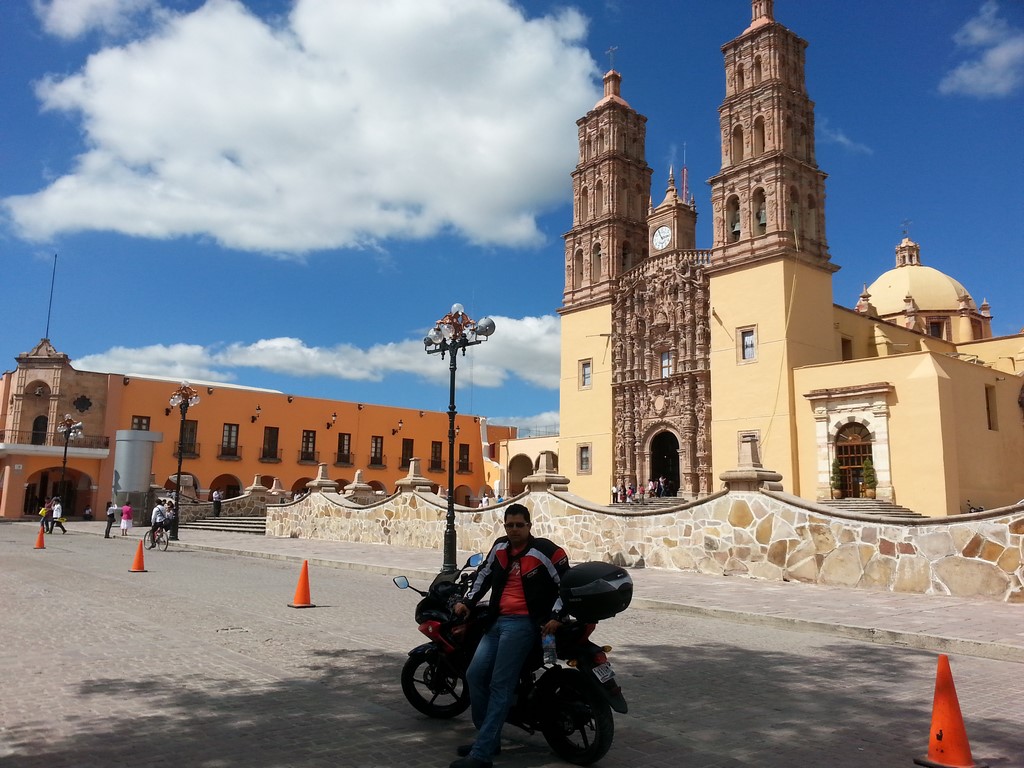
513	599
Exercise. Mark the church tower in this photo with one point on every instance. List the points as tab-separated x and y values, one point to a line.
611	194
771	274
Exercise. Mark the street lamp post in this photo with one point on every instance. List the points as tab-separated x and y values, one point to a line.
453	332
182	398
71	430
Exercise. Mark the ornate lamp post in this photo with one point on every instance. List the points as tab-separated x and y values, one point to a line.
182	398
71	430
453	332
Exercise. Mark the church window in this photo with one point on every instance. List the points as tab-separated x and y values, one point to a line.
741	81
747	344
757	70
758	136
667	364
586	372
584	204
583	458
598	199
577	270
847	349
595	264
803	148
990	407
760	213
937	327
737	144
625	263
732	219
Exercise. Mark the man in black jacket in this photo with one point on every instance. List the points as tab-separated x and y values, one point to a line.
523	574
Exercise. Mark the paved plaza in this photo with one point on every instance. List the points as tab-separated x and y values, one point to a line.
199	662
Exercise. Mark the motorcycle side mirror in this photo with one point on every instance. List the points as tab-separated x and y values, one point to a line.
401	582
475	560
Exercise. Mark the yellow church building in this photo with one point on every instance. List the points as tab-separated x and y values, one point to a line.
672	357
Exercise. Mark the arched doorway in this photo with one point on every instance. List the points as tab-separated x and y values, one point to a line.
229	486
520	467
853	445
665	460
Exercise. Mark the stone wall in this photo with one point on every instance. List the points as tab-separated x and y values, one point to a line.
758	533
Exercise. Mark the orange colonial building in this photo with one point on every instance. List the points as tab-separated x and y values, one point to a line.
130	434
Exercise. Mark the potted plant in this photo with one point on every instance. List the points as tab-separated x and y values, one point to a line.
836	479
870	479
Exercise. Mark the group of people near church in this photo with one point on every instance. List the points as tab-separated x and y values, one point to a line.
627	493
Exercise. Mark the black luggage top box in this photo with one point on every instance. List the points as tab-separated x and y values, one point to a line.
595	591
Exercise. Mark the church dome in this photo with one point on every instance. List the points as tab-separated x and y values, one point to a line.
930	289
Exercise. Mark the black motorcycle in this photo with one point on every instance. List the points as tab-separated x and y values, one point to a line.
570	705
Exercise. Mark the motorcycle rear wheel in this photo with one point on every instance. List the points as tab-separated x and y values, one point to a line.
434	687
579	725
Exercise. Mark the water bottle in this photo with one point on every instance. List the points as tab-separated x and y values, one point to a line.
548	644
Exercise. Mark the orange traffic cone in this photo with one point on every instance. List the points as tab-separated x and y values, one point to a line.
139	564
301	599
948	746
41	539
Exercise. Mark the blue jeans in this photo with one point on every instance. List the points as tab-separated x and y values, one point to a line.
492	678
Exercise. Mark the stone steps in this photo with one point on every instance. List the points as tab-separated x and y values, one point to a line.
252	525
870	507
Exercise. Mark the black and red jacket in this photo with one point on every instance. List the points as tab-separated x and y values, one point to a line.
541	563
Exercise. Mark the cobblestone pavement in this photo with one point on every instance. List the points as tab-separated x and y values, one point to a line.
199	662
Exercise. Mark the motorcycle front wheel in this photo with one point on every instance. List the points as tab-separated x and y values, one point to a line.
579	725
434	687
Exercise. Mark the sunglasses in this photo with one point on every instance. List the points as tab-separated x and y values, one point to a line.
516	525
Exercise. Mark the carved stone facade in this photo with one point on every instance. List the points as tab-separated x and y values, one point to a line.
661	373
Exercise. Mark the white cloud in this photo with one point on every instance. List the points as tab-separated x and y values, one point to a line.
997	68
523	348
837	136
70	19
345	125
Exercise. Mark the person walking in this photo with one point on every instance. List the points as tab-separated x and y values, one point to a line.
216	503
58	516
112	510
522	573
126	518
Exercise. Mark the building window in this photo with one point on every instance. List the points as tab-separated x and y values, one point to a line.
990	407
464	465
308	450
377	451
937	328
188	445
667	364
269	451
436	463
583	459
407	449
847	349
747	344
229	441
344	448
140	423
586	371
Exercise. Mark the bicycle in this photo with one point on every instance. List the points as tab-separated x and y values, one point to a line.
158	538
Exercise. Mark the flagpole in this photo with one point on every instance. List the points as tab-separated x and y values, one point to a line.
49	306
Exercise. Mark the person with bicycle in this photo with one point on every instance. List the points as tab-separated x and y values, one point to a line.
522	573
158	522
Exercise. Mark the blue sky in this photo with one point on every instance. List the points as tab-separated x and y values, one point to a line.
288	195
